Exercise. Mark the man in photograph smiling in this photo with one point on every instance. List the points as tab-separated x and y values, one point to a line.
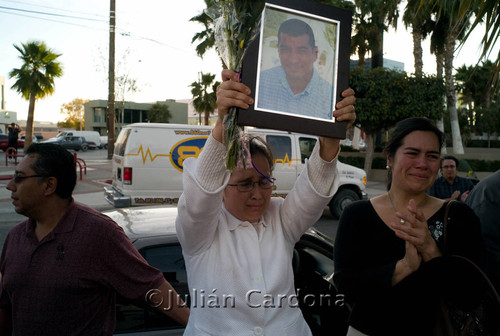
295	86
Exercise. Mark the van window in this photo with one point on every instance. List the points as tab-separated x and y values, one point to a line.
306	148
281	146
121	142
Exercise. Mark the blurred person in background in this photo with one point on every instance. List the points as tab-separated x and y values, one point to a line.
449	186
485	201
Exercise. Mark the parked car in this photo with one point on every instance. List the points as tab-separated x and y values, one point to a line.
104	141
36	138
72	142
152	231
91	144
4	142
89	135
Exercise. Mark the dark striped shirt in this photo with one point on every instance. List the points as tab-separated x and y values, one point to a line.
443	189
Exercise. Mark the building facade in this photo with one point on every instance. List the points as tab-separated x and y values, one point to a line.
128	113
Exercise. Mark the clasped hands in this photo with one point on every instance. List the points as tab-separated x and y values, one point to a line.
413	228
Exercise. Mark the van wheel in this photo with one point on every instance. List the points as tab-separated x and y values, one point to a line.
84	148
341	199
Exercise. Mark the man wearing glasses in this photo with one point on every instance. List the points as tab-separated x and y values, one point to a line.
449	186
63	267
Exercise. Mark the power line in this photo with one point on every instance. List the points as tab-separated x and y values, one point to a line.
123	33
51	14
49	7
138	37
50	20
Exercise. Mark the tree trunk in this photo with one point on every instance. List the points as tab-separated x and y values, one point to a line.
439	74
451	93
378	53
361	56
417	49
439	65
370	149
207	115
355	137
28	137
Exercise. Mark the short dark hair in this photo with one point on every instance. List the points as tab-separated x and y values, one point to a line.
402	129
449	157
55	161
296	27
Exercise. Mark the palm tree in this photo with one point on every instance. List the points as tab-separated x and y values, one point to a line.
437	48
475	87
460	15
364	34
453	33
204	101
379	14
35	78
419	18
206	37
467	86
487	12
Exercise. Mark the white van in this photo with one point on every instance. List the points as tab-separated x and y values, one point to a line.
93	136
148	162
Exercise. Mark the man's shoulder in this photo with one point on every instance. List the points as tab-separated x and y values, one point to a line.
88	211
272	73
93	217
321	82
464	180
439	180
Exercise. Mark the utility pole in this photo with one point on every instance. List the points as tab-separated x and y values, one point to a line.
110	111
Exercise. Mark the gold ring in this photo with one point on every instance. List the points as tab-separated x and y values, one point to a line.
402	221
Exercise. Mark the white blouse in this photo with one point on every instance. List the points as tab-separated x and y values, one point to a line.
241	279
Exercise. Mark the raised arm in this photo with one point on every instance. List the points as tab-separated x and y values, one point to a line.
344	112
230	93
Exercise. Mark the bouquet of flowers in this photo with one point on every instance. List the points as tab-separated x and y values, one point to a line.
236	25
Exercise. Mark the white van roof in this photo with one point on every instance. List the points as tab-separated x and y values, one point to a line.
164	125
250	129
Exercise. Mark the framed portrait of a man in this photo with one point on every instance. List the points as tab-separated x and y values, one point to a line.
297	68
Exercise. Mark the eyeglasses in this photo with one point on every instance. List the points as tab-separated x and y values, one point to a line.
449	167
20	178
249	186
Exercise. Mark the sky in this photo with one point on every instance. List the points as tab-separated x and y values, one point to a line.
153	46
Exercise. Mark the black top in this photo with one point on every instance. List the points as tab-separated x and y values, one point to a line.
366	253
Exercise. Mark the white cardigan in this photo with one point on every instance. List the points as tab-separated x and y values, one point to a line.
240	278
